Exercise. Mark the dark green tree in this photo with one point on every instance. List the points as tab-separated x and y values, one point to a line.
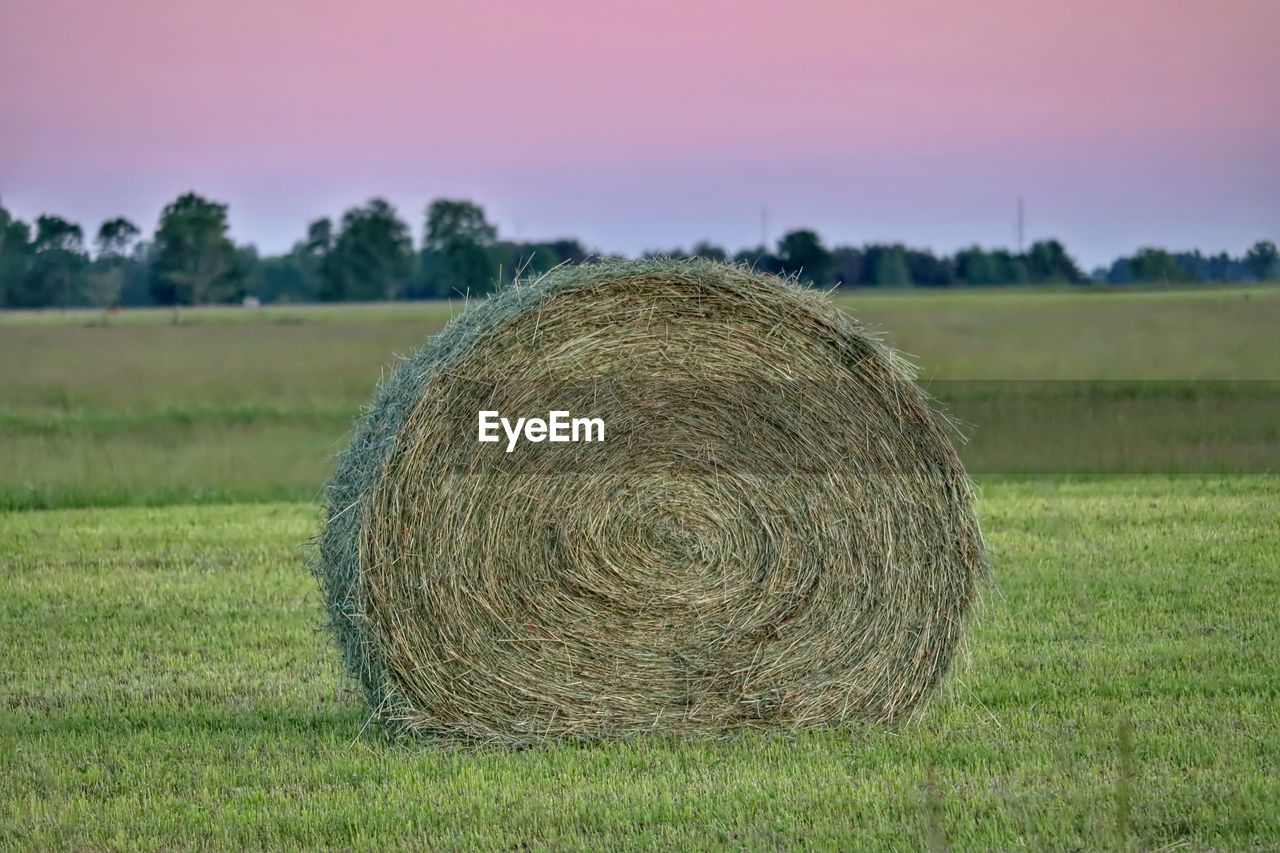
284	278
759	258
193	259
887	266
928	270
533	259
15	258
57	262
319	240
249	262
371	257
106	276
1048	261
459	253
137	289
976	266
452	222
847	265
299	275
802	254
55	234
115	237
1156	265
709	251
1263	260
1219	267
1012	268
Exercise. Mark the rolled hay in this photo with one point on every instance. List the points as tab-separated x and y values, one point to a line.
775	532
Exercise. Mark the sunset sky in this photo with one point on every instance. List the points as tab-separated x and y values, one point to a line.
655	124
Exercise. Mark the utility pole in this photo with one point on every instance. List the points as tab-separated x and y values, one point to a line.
764	228
1022	219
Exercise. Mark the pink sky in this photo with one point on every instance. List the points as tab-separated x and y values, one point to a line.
656	124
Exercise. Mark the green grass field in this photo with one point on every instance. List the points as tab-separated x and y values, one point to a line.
165	682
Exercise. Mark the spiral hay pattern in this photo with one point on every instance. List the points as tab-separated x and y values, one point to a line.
775	533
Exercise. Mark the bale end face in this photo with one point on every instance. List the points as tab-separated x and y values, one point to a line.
775	532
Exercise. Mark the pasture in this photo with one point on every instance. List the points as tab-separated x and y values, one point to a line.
165	682
234	404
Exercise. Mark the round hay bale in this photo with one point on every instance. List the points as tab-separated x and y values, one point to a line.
775	532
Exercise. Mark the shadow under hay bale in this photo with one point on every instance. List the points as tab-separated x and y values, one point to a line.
776	531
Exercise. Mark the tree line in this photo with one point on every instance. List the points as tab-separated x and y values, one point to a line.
369	254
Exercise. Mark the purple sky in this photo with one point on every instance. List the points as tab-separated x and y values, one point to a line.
656	124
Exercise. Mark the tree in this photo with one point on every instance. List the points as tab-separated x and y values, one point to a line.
847	265
759	258
58	258
1048	261
55	234
887	266
802	254
459	253
137	288
319	240
15	257
299	275
1212	268
115	236
284	278
105	280
194	261
296	276
927	269
975	266
1012	269
1263	260
248	261
454	222
708	250
1157	265
1120	272
533	259
372	255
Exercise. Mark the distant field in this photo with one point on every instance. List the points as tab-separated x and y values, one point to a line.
164	685
250	404
966	334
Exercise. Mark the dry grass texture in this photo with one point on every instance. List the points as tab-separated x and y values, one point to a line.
776	533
